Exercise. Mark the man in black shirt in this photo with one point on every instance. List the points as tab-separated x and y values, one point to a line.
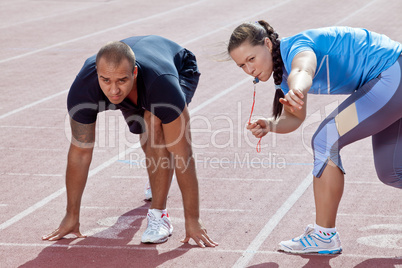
151	80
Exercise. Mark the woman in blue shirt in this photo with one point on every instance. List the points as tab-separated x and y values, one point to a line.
333	60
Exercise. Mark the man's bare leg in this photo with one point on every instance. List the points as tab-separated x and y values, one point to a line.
158	159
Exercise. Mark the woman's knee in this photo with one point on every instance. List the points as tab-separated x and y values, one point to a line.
390	176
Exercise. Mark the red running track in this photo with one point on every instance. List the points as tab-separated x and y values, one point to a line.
249	201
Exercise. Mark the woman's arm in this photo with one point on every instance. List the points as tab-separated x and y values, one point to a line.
300	80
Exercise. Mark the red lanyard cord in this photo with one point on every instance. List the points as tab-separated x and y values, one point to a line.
252	107
255	81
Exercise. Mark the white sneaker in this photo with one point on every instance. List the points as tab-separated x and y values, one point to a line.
310	242
148	192
159	227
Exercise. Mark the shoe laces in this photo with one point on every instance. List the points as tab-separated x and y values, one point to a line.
307	233
155	223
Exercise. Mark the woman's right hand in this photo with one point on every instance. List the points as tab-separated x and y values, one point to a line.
293	99
259	127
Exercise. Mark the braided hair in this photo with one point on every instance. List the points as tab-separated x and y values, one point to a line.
255	34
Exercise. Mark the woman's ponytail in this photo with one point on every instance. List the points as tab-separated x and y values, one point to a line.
277	107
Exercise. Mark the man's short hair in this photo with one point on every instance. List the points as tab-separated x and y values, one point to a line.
114	53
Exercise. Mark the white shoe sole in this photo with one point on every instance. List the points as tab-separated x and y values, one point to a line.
161	240
311	250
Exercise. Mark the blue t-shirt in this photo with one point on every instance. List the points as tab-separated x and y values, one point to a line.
347	58
159	61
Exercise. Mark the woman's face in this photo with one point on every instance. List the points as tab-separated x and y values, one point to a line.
254	60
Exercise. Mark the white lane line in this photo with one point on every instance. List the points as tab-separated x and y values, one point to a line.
249	253
207	178
165	249
32	149
354	13
57	15
204	178
367	215
61	191
101	32
364	182
133	247
219	95
31	127
241	179
129	177
48	175
29	174
236	22
17	174
170	208
32	104
101	167
31	209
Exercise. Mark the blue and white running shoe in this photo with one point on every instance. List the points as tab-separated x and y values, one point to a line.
310	242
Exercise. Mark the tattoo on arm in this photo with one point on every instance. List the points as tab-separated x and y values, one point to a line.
83	135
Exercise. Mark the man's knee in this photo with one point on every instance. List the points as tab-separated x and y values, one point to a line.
153	135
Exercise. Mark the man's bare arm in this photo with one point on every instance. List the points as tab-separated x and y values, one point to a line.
82	135
79	160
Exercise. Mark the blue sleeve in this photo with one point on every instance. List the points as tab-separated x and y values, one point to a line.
167	100
290	47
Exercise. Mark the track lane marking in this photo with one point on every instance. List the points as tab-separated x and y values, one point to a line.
101	32
169	249
252	249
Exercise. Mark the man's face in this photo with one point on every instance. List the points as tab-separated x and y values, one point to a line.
116	82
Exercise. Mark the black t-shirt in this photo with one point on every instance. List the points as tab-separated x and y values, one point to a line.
159	61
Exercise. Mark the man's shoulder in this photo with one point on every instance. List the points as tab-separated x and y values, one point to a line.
152	46
88	70
146	39
85	94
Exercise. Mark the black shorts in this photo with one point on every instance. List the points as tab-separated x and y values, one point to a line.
188	74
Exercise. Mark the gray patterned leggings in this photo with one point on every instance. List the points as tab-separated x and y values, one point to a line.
374	110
